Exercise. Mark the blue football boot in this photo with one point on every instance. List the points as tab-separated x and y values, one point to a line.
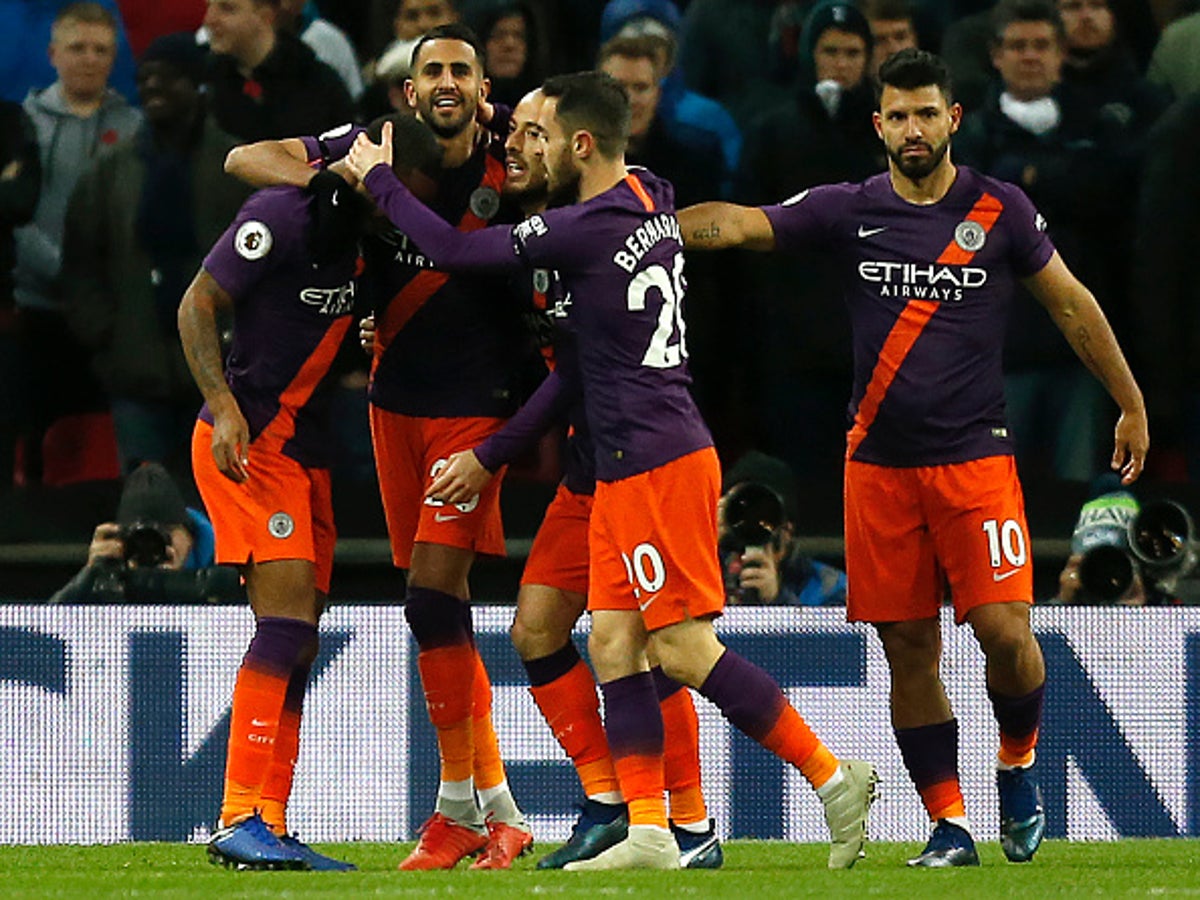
1022	818
948	846
250	844
698	850
599	826
318	862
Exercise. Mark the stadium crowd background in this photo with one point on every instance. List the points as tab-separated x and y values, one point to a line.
106	207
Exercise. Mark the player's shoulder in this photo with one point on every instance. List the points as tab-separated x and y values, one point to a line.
270	221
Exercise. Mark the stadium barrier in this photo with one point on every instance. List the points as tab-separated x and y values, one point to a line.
113	722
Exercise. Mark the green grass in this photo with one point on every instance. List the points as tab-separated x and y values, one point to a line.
754	870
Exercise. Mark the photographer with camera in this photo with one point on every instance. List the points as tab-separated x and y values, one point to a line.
1126	553
760	558
157	551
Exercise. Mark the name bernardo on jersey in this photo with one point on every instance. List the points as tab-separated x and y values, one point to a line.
662	227
914	281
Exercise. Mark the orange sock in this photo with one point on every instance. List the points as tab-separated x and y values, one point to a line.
448	701
944	800
641	782
681	758
277	787
253	729
571	708
488	766
1017	751
794	741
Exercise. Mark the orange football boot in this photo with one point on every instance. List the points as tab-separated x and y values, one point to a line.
504	844
442	844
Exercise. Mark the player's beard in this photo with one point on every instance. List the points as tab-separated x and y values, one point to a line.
562	186
441	127
919	167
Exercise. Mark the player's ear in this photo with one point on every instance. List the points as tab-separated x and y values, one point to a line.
582	144
877	121
485	88
956	114
410	93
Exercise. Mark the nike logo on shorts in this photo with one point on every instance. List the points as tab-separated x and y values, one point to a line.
445	517
996	576
644	606
865	232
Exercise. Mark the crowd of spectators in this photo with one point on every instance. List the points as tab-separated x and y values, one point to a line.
111	185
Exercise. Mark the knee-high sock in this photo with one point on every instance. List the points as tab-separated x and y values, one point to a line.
752	701
258	701
930	754
447	665
565	691
681	750
277	787
635	737
488	766
1019	719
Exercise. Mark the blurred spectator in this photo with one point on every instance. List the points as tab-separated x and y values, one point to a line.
157	551
967	50
724	51
75	117
636	63
760	556
26	28
136	230
687	116
1101	68
264	83
822	135
145	20
1166	289
1073	162
20	180
412	18
893	28
1176	60
509	33
326	40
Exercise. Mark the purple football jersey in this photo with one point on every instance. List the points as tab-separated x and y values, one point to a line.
928	289
618	296
290	316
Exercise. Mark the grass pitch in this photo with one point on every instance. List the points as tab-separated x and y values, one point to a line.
754	870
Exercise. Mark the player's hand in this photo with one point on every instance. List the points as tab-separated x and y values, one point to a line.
365	155
760	572
106	543
366	334
1132	443
462	478
231	442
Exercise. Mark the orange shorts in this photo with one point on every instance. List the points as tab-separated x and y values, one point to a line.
559	555
653	542
283	511
910	532
409	451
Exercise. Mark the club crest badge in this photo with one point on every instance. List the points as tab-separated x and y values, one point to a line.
541	281
281	525
485	202
253	240
970	236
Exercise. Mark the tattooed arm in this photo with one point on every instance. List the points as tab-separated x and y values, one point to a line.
716	226
202	347
1082	322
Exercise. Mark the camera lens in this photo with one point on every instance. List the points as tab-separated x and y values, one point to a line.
145	545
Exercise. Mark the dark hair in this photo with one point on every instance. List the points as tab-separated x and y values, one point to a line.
911	68
415	148
453	31
1006	12
596	103
888	10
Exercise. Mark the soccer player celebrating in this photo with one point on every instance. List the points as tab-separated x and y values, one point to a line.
554	587
446	357
655	582
261	455
931	255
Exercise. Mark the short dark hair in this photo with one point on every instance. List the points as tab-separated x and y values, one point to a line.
452	31
415	148
911	68
594	102
1006	12
888	10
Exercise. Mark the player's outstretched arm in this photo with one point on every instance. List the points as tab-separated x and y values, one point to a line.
451	250
268	163
718	226
1082	321
202	347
